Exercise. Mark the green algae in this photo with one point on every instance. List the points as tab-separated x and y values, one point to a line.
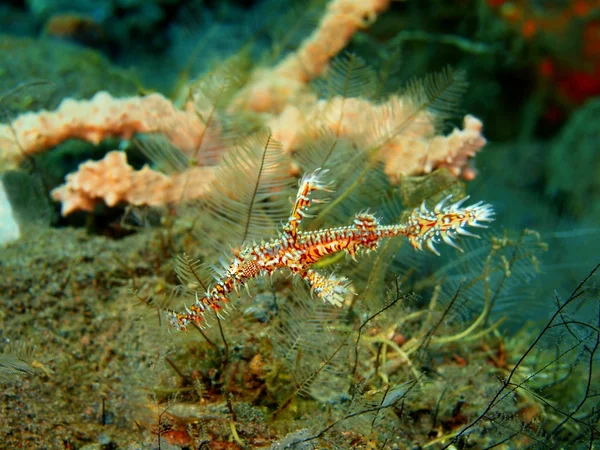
69	71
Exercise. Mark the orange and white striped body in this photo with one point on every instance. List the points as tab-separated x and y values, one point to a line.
298	250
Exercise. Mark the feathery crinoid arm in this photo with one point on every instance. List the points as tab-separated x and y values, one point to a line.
445	223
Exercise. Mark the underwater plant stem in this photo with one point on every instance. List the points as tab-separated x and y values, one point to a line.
377	359
182	375
482	333
397	298
235	435
432	304
206	338
396	347
463	334
412	316
425	340
482	318
223	339
577	292
441	439
256	188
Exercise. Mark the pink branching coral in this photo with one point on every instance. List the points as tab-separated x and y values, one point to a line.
417	150
114	181
398	134
272	89
298	250
414	151
96	119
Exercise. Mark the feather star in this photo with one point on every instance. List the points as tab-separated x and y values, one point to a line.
298	250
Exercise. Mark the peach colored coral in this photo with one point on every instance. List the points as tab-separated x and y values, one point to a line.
95	119
114	181
271	89
406	156
341	20
407	145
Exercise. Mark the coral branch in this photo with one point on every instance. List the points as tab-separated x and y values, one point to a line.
270	90
394	132
413	151
96	119
342	19
114	181
406	156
